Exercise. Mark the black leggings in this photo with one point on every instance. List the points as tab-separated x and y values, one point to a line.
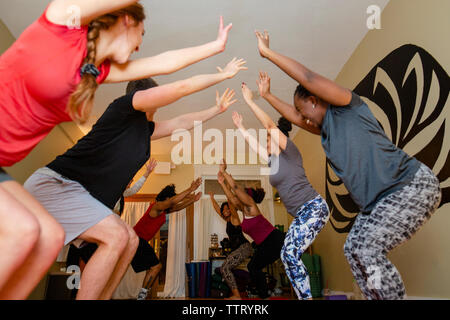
265	253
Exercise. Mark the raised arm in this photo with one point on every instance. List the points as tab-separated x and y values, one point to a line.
235	220
285	109
149	167
231	197
243	196
59	11
266	121
239	191
156	97
166	204
186	121
215	204
186	202
170	61
251	140
318	85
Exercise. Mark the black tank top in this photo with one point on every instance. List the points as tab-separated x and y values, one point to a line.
235	235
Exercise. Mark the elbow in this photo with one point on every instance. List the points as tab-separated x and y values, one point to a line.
309	76
183	88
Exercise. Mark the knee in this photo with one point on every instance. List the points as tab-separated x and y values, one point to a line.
120	237
349	248
54	238
224	269
283	255
158	267
133	241
27	232
358	251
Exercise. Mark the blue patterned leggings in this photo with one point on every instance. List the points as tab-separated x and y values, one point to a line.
311	218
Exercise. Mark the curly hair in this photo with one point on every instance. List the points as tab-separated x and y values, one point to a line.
166	193
256	194
222	207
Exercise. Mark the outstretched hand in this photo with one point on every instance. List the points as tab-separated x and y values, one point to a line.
197	197
150	166
263	42
233	67
263	84
223	166
224	101
196	183
222	36
246	92
237	119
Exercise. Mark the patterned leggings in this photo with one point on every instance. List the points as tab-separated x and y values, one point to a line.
395	219
311	218
234	259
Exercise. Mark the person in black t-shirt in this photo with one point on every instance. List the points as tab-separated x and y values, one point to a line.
80	188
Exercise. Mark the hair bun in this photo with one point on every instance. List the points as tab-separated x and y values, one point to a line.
285	126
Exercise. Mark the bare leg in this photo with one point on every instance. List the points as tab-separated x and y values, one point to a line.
30	241
150	276
112	238
122	264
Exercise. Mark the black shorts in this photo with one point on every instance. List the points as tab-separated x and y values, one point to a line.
84	253
4	176
145	257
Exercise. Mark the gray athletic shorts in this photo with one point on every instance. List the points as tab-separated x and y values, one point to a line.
67	201
4	176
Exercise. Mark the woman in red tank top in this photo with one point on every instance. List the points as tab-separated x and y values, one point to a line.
48	76
267	239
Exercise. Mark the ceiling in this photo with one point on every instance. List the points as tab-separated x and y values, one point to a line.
322	34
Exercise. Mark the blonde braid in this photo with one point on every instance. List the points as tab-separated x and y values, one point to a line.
82	99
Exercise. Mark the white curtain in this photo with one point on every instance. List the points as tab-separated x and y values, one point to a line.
203	210
176	257
131	282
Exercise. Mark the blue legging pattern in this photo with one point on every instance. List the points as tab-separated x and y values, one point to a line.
310	219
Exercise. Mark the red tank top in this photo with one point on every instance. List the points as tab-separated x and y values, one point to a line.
258	228
147	227
38	73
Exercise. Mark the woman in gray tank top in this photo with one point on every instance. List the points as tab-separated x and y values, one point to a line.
308	208
396	193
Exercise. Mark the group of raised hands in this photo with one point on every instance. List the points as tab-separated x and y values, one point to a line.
233	67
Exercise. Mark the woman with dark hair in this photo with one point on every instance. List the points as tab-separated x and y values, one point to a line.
309	209
396	193
241	249
267	239
49	76
81	187
167	201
